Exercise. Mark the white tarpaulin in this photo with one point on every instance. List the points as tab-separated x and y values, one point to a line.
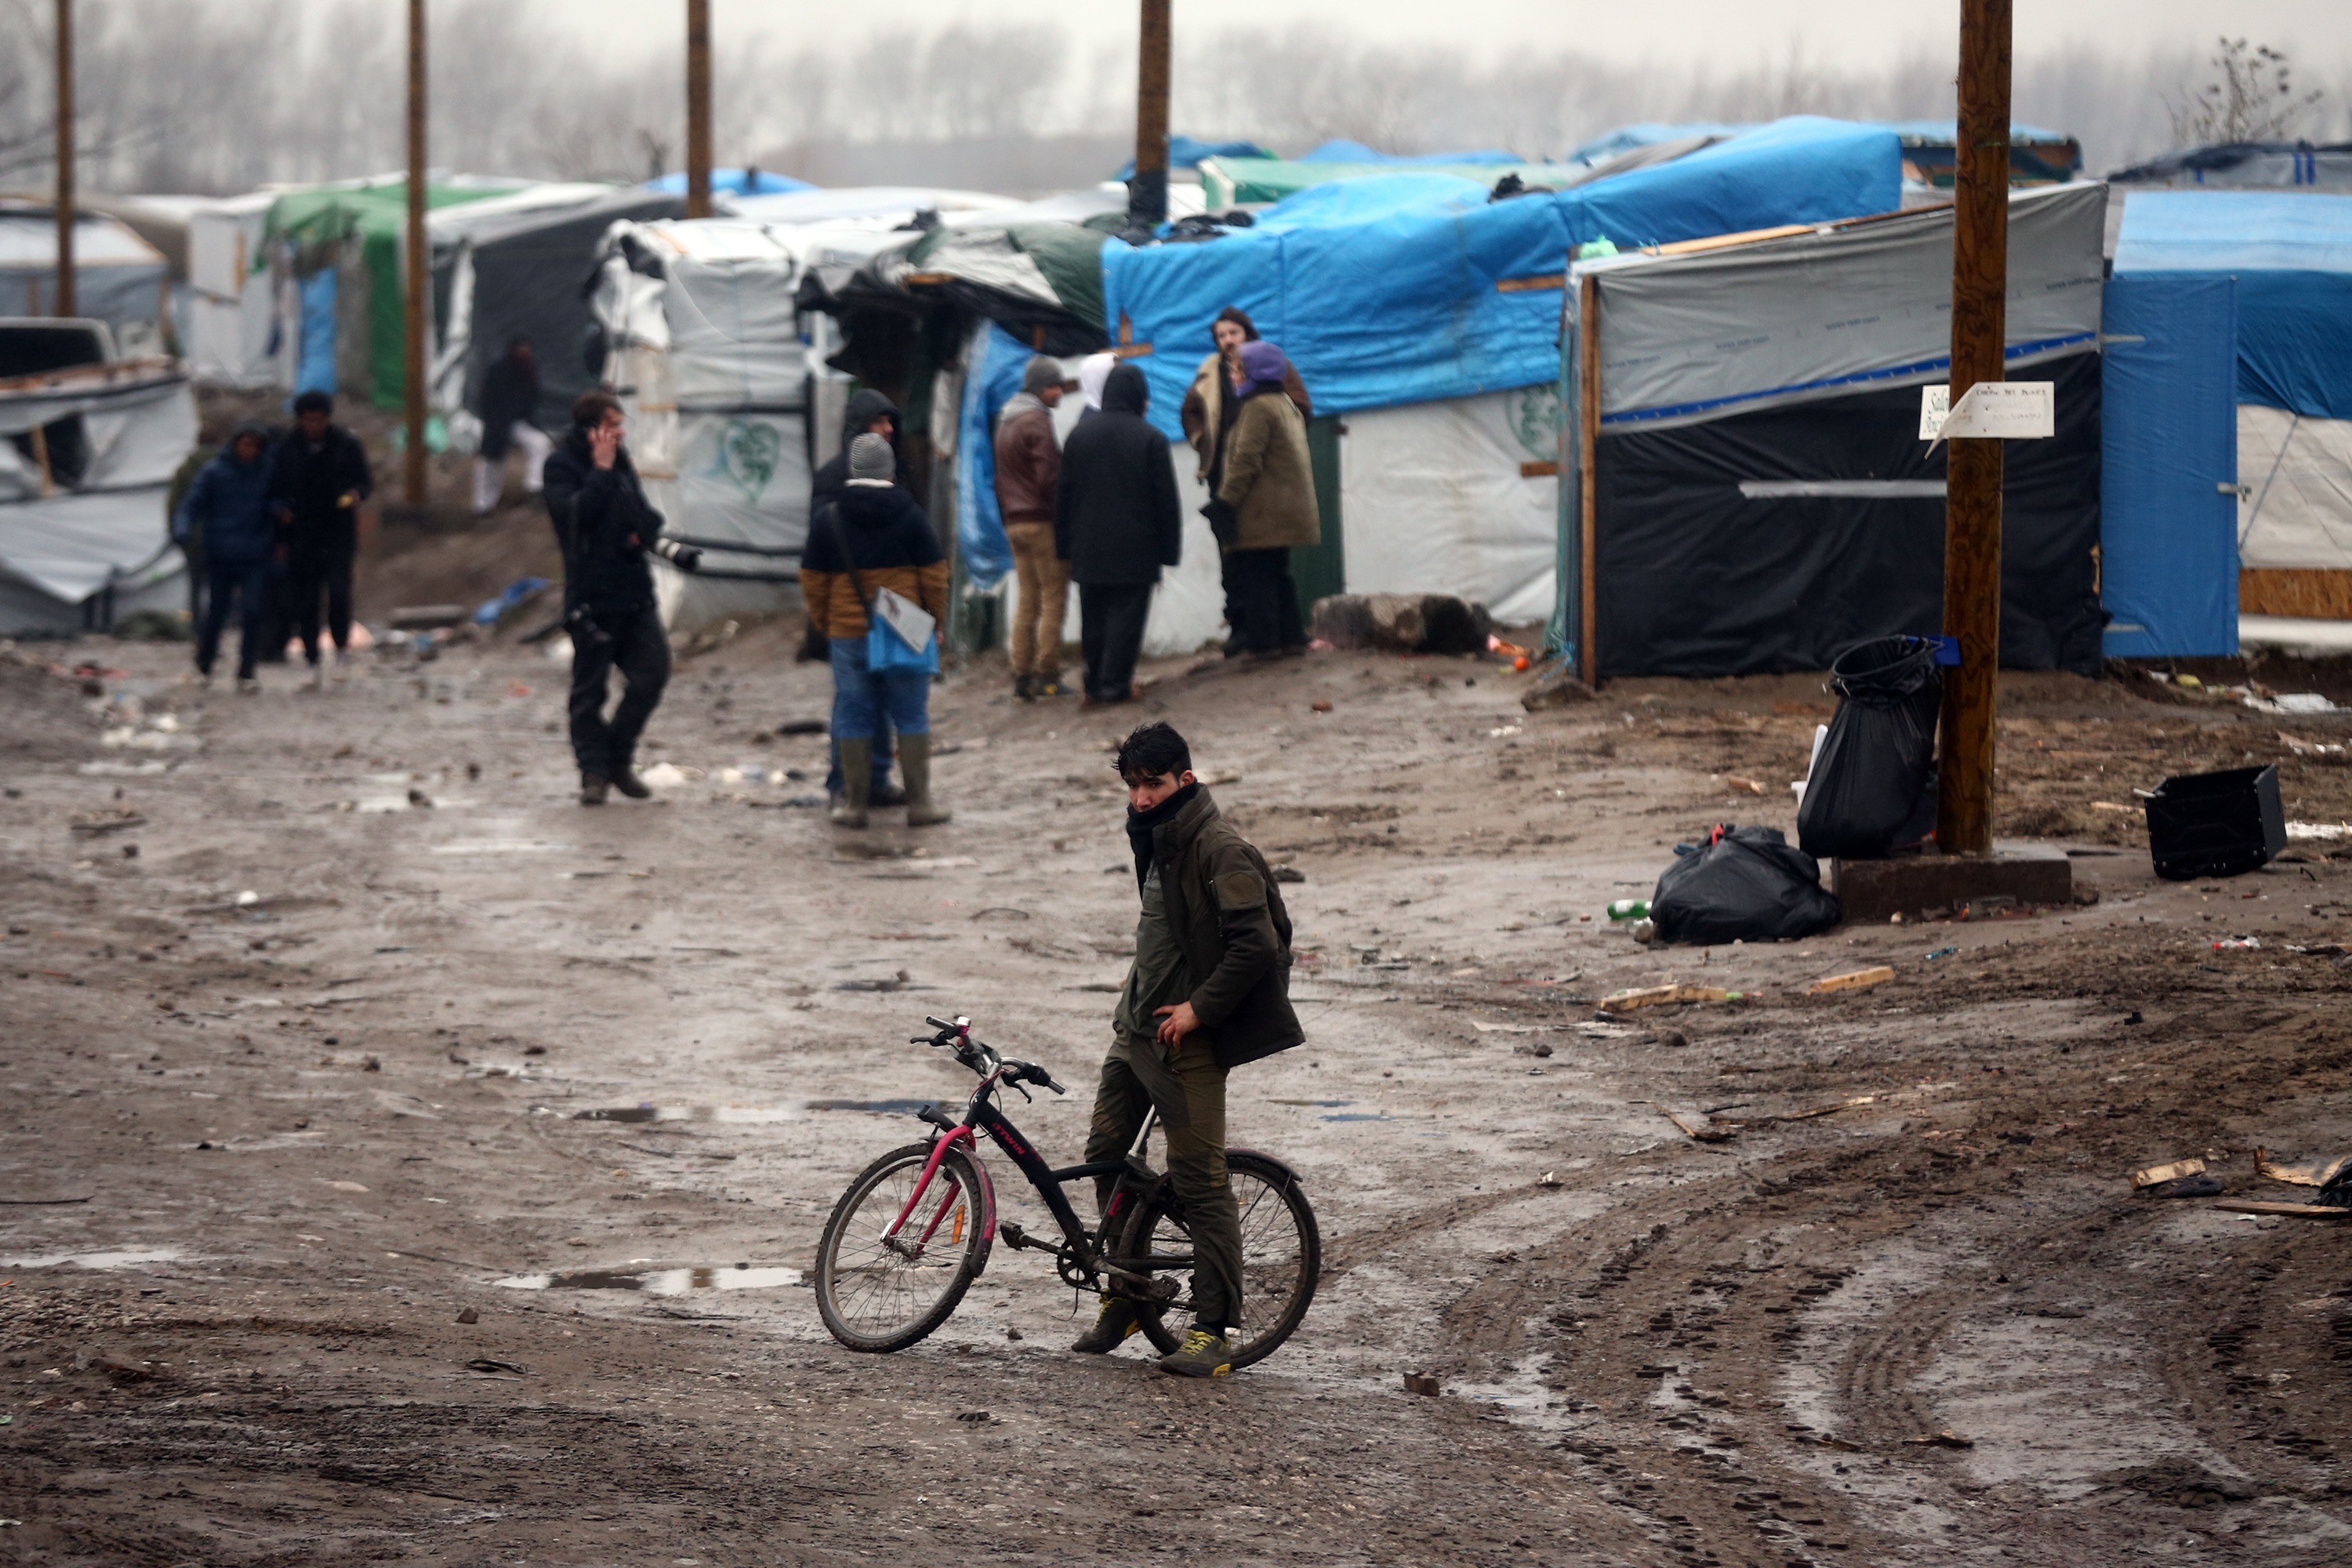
1459	497
106	528
232	304
2295	507
1697	335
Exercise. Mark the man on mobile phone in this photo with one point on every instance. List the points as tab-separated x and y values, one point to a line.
1209	989
606	528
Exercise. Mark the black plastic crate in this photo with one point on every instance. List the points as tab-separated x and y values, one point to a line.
2215	825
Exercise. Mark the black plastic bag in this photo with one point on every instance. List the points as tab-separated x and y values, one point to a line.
1874	786
1745	884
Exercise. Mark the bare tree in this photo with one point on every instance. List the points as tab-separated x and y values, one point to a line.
2252	98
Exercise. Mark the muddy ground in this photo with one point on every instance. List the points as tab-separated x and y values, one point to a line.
296	1071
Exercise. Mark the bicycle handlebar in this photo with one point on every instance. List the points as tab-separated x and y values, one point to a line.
982	1058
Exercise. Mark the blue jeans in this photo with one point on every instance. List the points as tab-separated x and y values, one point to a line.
861	696
247	585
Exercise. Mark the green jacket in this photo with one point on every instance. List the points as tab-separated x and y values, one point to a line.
1269	478
1236	934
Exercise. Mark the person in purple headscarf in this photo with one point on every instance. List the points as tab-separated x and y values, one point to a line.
1267	493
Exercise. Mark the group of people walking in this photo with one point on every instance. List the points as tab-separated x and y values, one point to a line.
1102	511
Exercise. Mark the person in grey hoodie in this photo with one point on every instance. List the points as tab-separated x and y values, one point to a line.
230	508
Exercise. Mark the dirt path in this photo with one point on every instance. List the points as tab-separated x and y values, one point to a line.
309	1074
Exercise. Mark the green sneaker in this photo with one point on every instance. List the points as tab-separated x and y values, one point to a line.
1203	1355
1113	1324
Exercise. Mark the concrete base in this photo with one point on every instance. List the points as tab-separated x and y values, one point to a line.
1912	884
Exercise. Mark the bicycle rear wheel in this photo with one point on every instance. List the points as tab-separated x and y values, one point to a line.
885	1295
1282	1255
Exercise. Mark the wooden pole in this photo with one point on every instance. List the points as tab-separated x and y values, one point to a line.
1147	194
698	108
1588	445
420	266
66	302
1973	474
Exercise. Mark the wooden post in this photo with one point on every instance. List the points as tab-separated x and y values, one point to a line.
419	267
698	108
65	292
1147	194
1588	440
1972	492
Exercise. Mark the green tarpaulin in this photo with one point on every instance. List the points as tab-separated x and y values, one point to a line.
1230	182
317	221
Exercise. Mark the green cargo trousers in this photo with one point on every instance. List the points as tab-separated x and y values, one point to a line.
1189	1090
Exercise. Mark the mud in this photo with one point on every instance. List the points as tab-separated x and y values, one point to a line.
329	1077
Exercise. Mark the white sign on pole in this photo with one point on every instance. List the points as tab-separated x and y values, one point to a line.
1991	410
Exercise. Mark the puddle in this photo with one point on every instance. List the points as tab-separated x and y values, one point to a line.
125	1260
659	1282
499	846
879	1107
1360	1116
1317	1104
751	1115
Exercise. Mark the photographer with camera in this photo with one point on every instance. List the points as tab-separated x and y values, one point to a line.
606	528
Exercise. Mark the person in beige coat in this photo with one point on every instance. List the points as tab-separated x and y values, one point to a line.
1265	508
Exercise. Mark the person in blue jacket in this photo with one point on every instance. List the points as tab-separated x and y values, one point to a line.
229	506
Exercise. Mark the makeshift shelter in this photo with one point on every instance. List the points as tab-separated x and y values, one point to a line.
89	444
2290	257
519	266
2244	166
732	182
230	336
1425	319
1747	489
119	277
2036	156
705	351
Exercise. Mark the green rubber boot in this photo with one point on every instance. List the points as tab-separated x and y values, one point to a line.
915	767
857	783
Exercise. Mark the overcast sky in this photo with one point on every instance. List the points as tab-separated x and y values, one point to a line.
1729	33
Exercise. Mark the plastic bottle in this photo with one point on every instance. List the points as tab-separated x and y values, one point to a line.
1629	910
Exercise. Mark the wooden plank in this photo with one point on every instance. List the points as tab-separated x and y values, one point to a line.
2291	1211
1661	996
1588	371
2171	1171
1538	470
1853	980
2314	594
1532	284
2317	1174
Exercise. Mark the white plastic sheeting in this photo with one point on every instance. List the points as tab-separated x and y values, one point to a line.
232	303
2295	507
1437	498
57	549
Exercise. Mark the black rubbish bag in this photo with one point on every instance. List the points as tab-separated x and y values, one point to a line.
1744	884
1874	786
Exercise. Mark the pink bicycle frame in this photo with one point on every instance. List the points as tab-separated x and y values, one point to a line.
986	1195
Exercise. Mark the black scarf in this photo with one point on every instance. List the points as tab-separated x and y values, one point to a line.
1140	824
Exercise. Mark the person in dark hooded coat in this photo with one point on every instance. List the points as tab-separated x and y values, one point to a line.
229	506
1118	522
868	413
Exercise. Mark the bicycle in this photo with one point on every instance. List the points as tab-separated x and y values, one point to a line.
892	1266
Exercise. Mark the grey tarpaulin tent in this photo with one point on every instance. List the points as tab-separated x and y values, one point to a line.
1749	492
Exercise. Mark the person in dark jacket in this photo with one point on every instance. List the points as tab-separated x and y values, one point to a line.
1116	522
606	528
230	510
872	539
1028	471
509	414
869	413
1211	407
1209	989
321	478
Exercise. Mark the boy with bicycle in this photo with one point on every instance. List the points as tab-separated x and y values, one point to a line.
1209	989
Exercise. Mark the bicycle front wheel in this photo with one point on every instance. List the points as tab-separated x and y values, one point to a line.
879	1292
1282	1255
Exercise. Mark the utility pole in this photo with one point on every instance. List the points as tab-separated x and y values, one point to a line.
65	302
698	108
1973	474
1147	194
420	266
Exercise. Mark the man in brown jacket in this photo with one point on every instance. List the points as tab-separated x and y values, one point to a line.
1028	471
1209	989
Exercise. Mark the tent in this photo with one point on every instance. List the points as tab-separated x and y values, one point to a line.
88	445
731	182
119	277
508	269
2289	255
2245	166
2036	156
229	337
1745	489
705	350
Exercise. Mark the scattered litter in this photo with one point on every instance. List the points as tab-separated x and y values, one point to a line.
668	775
1629	909
1853	980
1945	1439
1422	1382
1701	1131
2237	943
2324	831
347	1186
1319	706
92	825
1857	1102
2317	1174
1750	785
1742	884
801	727
1485	1028
2317	751
1551	1179
2291	1211
1287	873
499	846
2290	702
661	1282
246	899
1535	1049
1664	995
1942	952
2172	1170
122	770
484	1363
2115	805
470	1316
1505	730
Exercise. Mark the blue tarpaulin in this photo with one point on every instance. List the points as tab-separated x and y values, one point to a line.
2168	510
736	182
1414	287
2292	256
1339	150
314	364
992	378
